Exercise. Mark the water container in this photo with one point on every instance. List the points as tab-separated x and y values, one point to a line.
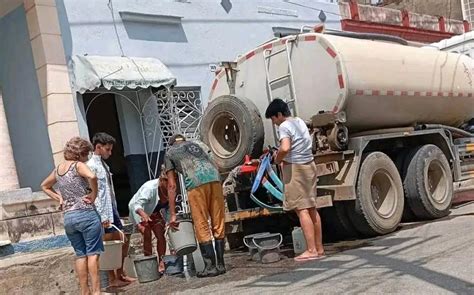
111	259
183	240
299	242
268	247
146	268
253	251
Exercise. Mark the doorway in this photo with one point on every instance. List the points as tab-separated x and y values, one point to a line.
102	117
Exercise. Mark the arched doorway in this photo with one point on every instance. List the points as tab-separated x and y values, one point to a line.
142	122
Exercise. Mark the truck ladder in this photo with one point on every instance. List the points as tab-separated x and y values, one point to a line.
267	54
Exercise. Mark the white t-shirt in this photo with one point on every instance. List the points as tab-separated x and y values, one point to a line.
301	145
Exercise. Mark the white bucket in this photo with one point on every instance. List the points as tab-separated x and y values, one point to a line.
111	259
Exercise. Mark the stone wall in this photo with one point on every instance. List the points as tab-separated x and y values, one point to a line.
26	216
447	8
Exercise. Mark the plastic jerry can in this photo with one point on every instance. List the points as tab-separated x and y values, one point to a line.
299	242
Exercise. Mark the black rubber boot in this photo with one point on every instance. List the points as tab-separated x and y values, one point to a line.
209	257
220	245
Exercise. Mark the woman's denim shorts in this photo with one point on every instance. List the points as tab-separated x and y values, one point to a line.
84	231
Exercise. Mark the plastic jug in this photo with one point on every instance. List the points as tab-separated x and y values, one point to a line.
299	242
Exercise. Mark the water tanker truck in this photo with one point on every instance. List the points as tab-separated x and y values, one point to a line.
386	121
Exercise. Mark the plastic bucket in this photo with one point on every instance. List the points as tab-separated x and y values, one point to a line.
173	264
146	268
183	240
111	259
248	241
268	247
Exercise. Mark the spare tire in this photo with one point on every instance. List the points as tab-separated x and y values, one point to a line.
232	128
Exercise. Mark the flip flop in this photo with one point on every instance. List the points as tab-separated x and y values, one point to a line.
301	259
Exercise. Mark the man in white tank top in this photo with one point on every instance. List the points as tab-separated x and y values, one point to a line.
299	175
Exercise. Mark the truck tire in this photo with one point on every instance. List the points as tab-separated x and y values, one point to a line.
378	207
429	183
402	159
336	223
232	128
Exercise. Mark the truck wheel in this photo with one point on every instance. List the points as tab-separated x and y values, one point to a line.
429	183
402	160
232	128
378	208
336	223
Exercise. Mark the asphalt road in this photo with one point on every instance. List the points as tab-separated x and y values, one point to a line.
434	257
422	258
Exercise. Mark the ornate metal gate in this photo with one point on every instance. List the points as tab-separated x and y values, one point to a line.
163	113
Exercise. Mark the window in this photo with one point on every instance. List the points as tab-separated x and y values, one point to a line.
468	10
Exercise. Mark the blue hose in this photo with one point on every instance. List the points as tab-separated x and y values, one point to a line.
274	177
266	166
272	190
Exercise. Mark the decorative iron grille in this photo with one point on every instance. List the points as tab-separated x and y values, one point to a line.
179	111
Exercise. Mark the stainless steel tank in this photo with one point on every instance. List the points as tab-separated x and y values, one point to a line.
377	84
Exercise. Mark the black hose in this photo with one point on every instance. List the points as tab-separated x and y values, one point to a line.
369	36
439	126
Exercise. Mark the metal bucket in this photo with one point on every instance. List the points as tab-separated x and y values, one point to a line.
248	241
183	240
111	259
268	247
173	264
146	268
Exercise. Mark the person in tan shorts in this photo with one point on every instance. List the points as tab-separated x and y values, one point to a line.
299	175
205	196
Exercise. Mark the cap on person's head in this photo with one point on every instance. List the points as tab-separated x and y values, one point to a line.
176	138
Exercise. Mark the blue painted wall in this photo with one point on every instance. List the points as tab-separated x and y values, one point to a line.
22	99
207	33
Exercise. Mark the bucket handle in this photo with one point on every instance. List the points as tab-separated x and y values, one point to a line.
268	247
122	235
253	236
245	243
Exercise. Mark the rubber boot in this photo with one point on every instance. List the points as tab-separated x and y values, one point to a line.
209	257
220	245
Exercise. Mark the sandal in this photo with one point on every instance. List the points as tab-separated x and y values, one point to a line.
308	258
